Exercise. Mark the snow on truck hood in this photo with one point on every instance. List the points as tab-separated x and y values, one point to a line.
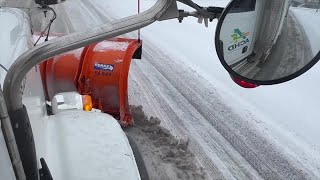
88	145
15	37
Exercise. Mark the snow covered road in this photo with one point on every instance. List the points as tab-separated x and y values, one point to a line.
223	140
227	144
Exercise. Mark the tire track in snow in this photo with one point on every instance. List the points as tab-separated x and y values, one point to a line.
262	154
72	18
212	150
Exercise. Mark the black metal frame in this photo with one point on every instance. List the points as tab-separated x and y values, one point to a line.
46	2
219	48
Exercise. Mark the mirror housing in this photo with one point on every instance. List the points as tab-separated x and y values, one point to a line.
48	2
267	42
244	84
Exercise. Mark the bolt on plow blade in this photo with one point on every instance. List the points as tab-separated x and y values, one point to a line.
99	70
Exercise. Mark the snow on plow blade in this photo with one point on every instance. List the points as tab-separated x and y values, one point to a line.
99	70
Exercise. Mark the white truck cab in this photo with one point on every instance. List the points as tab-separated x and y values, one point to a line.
240	27
75	144
251	28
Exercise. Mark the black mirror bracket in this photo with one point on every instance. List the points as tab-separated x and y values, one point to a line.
44	172
202	13
48	2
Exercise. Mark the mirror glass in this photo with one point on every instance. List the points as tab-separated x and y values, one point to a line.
266	40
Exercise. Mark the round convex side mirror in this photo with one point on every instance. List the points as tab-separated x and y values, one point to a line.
268	42
48	2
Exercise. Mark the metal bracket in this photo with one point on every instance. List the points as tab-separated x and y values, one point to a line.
48	2
171	13
205	14
215	12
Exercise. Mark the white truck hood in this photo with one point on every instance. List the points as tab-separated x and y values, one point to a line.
88	145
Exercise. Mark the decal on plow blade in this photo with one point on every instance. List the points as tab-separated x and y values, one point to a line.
99	70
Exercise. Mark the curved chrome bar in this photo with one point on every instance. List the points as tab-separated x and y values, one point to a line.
29	59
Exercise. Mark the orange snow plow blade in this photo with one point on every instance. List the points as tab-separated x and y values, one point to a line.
99	70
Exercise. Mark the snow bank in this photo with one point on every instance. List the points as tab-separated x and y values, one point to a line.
110	45
310	20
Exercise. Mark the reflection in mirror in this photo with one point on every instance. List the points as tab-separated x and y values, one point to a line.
266	40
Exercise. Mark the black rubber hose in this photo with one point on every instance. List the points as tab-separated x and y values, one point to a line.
139	160
24	137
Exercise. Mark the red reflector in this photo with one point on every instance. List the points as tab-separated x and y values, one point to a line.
244	84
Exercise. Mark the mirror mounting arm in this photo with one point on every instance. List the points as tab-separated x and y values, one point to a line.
211	13
201	12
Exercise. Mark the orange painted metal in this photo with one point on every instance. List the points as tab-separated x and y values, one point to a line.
60	73
104	76
99	70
